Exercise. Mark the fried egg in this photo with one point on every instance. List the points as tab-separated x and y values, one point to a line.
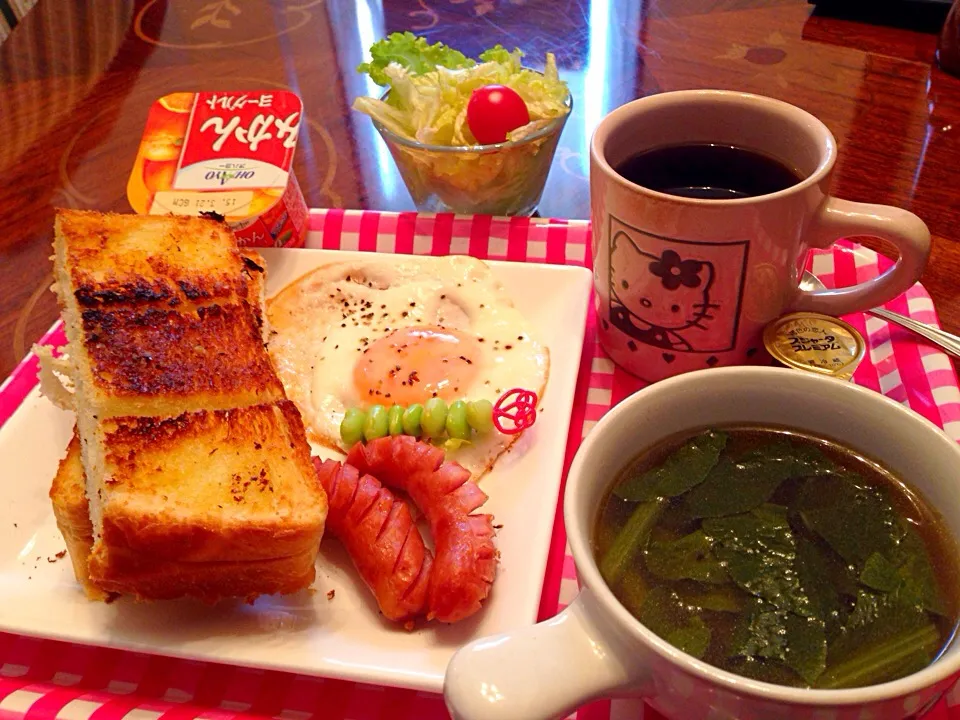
374	332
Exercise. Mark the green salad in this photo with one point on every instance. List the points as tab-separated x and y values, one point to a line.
439	96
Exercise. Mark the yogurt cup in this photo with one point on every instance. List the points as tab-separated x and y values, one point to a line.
227	153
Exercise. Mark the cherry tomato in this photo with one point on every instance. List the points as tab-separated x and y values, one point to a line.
493	111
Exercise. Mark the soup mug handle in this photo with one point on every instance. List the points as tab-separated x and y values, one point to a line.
543	671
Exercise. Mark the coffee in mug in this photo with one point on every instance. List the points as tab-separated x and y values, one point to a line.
704	204
708	171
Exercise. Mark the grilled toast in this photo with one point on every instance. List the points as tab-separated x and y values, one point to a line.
197	470
156	579
207	486
162	315
68	493
56	371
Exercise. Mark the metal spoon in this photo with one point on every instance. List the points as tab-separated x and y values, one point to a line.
950	343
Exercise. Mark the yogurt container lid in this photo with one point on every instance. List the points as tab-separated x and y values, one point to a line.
225	152
815	343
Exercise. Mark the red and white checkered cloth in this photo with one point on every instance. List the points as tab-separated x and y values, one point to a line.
50	679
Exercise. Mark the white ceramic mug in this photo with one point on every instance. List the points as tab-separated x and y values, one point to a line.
684	283
596	648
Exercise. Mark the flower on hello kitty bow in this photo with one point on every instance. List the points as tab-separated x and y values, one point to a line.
673	271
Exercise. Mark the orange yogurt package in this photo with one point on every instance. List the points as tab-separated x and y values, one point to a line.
229	153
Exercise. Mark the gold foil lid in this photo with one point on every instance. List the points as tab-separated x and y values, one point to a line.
816	343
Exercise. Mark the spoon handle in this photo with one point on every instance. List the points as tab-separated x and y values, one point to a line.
950	343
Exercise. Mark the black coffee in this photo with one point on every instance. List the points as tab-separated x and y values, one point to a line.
708	171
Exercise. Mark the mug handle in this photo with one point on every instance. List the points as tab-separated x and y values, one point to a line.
840	218
541	672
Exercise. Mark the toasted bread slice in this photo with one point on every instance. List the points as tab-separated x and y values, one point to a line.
56	371
225	486
197	470
68	493
211	582
163	315
155	579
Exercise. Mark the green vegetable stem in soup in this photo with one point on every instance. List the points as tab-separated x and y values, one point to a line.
781	557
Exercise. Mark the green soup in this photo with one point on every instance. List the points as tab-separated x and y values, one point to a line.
780	557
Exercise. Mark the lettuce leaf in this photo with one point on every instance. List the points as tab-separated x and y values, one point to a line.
412	53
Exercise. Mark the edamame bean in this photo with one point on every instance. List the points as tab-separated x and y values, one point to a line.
456	423
480	415
411	420
434	418
395	420
377	423
351	427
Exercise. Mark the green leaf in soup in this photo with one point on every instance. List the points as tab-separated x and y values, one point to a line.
910	578
664	613
877	619
693	638
759	551
760	632
823	579
631	591
918	580
827	565
905	656
856	520
723	598
631	539
685	468
885	639
739	485
688	558
806	651
880	574
772	633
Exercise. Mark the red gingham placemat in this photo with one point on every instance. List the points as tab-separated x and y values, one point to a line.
50	679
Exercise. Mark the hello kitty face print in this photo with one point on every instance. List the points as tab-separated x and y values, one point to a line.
677	295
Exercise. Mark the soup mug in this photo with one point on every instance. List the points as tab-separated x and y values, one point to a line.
596	648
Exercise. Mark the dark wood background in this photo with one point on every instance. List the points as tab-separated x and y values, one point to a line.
77	78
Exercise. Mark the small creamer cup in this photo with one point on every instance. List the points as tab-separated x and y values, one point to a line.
687	283
595	648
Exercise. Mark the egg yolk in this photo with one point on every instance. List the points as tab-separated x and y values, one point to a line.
414	364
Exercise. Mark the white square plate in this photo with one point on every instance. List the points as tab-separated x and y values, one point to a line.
304	633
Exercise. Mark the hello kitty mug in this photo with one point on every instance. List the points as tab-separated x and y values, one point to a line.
685	283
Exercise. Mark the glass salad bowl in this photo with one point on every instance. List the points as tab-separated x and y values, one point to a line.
502	179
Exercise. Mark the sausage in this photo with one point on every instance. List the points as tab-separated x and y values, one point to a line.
381	538
466	558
